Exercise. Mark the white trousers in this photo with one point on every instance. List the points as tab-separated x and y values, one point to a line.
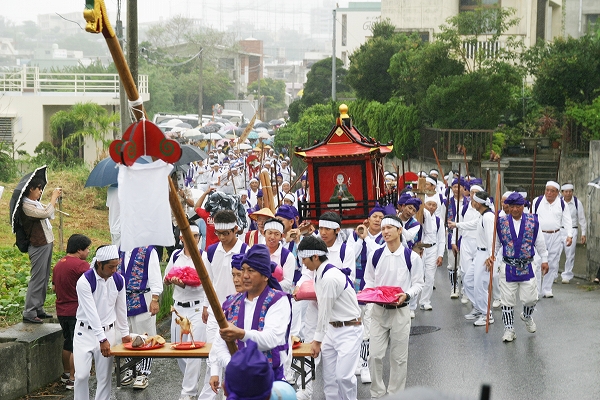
388	327
481	281
309	318
339	353
86	347
554	245
143	324
527	291
429	266
468	251
468	271
297	310
569	253
190	367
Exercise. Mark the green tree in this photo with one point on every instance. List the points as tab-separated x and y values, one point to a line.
317	89
479	38
416	68
368	73
567	69
272	89
477	100
315	124
587	115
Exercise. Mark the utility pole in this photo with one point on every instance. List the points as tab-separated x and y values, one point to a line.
132	39
333	59
125	119
200	88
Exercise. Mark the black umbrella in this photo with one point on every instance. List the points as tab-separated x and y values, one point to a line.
276	122
262	125
239	131
15	200
106	173
189	154
184	125
245	124
212	128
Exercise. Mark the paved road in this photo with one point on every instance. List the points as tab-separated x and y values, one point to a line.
560	361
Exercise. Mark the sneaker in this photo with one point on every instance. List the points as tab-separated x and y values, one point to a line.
464	299
359	368
497	303
127	378
426	307
474	314
481	321
453	294
365	375
141	382
565	281
412	314
549	295
509	335
188	397
64	378
529	324
70	385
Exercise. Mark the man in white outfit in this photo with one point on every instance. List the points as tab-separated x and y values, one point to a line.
102	311
433	243
579	225
392	265
553	215
188	301
338	332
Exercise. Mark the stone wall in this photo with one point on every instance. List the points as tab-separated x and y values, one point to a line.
578	172
593	210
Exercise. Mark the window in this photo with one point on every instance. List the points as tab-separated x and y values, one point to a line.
591	22
6	129
226	63
469	5
344	29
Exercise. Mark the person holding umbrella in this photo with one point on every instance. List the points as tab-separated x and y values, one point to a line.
35	218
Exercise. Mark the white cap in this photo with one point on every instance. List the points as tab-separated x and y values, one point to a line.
553	184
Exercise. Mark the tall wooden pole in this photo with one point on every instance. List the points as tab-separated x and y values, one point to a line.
490	284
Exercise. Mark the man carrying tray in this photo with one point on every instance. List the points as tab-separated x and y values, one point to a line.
392	265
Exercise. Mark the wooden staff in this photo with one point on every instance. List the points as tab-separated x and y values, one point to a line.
455	272
98	22
466	164
296	180
277	184
488	180
493	257
265	181
403	173
439	166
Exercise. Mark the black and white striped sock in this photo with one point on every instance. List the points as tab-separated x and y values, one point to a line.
508	317
364	352
527	311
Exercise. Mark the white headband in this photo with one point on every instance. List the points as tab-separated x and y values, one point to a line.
553	184
390	221
194	228
290	196
224	226
324	223
106	253
284	182
506	194
485	202
310	253
434	171
435	198
524	194
431	180
476	187
253	180
276	226
567	186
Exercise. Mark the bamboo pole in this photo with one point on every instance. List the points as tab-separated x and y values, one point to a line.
490	284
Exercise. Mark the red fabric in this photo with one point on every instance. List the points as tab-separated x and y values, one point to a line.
188	275
380	295
211	237
306	291
278	273
66	273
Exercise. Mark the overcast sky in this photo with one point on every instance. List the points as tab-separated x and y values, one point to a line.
220	13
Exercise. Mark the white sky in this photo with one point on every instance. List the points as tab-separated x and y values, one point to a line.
221	13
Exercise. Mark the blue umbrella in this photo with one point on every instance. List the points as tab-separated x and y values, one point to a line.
105	173
253	135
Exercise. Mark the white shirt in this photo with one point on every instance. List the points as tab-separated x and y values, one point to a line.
155	282
333	257
392	271
336	299
431	233
577	215
552	217
105	306
466	226
289	267
219	271
277	320
188	293
114	209
485	232
409	235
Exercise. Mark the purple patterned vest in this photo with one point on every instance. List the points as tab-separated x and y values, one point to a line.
518	249
234	308
136	279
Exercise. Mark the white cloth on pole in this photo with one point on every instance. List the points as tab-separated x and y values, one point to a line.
145	210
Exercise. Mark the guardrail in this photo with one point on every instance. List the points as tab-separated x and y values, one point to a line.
446	141
30	80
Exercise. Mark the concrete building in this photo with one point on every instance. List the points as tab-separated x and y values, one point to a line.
581	17
353	27
28	98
